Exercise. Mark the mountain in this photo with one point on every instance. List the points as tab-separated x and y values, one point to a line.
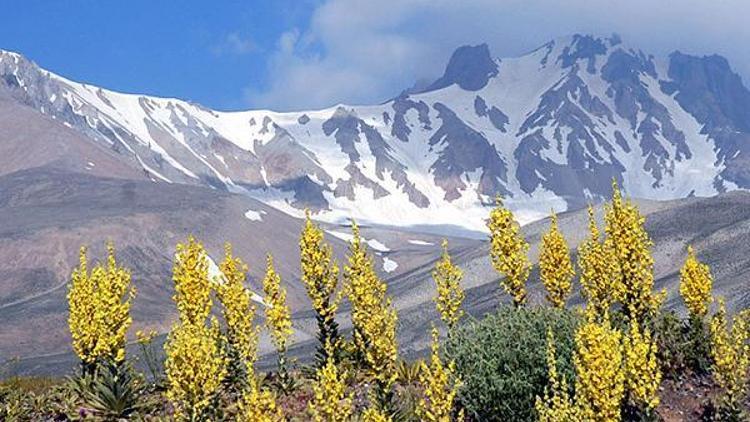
549	129
81	164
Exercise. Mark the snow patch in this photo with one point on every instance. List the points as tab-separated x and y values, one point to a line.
389	265
253	215
373	243
420	242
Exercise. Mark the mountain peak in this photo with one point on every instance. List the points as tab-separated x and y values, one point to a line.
469	67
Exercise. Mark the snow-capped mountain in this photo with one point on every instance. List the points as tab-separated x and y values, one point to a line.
547	130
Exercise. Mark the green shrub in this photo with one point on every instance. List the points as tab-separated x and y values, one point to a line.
501	360
684	345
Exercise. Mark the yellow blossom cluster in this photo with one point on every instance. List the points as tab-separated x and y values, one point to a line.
508	251
556	405
99	304
238	308
195	368
195	363
373	317
450	295
191	282
145	337
330	401
278	316
319	275
555	267
599	272
630	243
258	405
695	285
600	381
642	372
440	383
730	349
375	415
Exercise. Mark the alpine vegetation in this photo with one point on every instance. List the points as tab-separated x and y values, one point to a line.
618	356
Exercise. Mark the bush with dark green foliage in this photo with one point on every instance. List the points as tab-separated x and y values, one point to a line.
684	345
502	360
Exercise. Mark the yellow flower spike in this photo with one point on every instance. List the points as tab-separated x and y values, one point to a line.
508	251
440	383
450	295
600	381
373	317
278	319
631	246
642	373
695	285
319	274
730	349
556	405
143	337
81	318
258	405
196	364
375	415
330	401
238	309
599	271
99	304
192	284
555	267
278	315
195	368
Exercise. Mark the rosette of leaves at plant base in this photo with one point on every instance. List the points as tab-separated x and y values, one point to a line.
501	360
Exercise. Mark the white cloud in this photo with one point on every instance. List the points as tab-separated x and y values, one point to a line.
234	43
360	51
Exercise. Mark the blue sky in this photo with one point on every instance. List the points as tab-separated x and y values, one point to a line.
297	54
168	48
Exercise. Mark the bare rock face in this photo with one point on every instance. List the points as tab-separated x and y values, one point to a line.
470	67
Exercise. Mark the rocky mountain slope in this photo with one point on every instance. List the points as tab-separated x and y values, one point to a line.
549	129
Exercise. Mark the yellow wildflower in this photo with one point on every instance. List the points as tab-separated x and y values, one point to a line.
598	361
319	275
145	337
238	309
375	415
631	244
695	285
195	368
192	285
259	405
642	373
82	310
440	383
450	295
373	317
557	405
100	309
195	363
278	316
555	268
330	401
599	270
508	251
731	355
